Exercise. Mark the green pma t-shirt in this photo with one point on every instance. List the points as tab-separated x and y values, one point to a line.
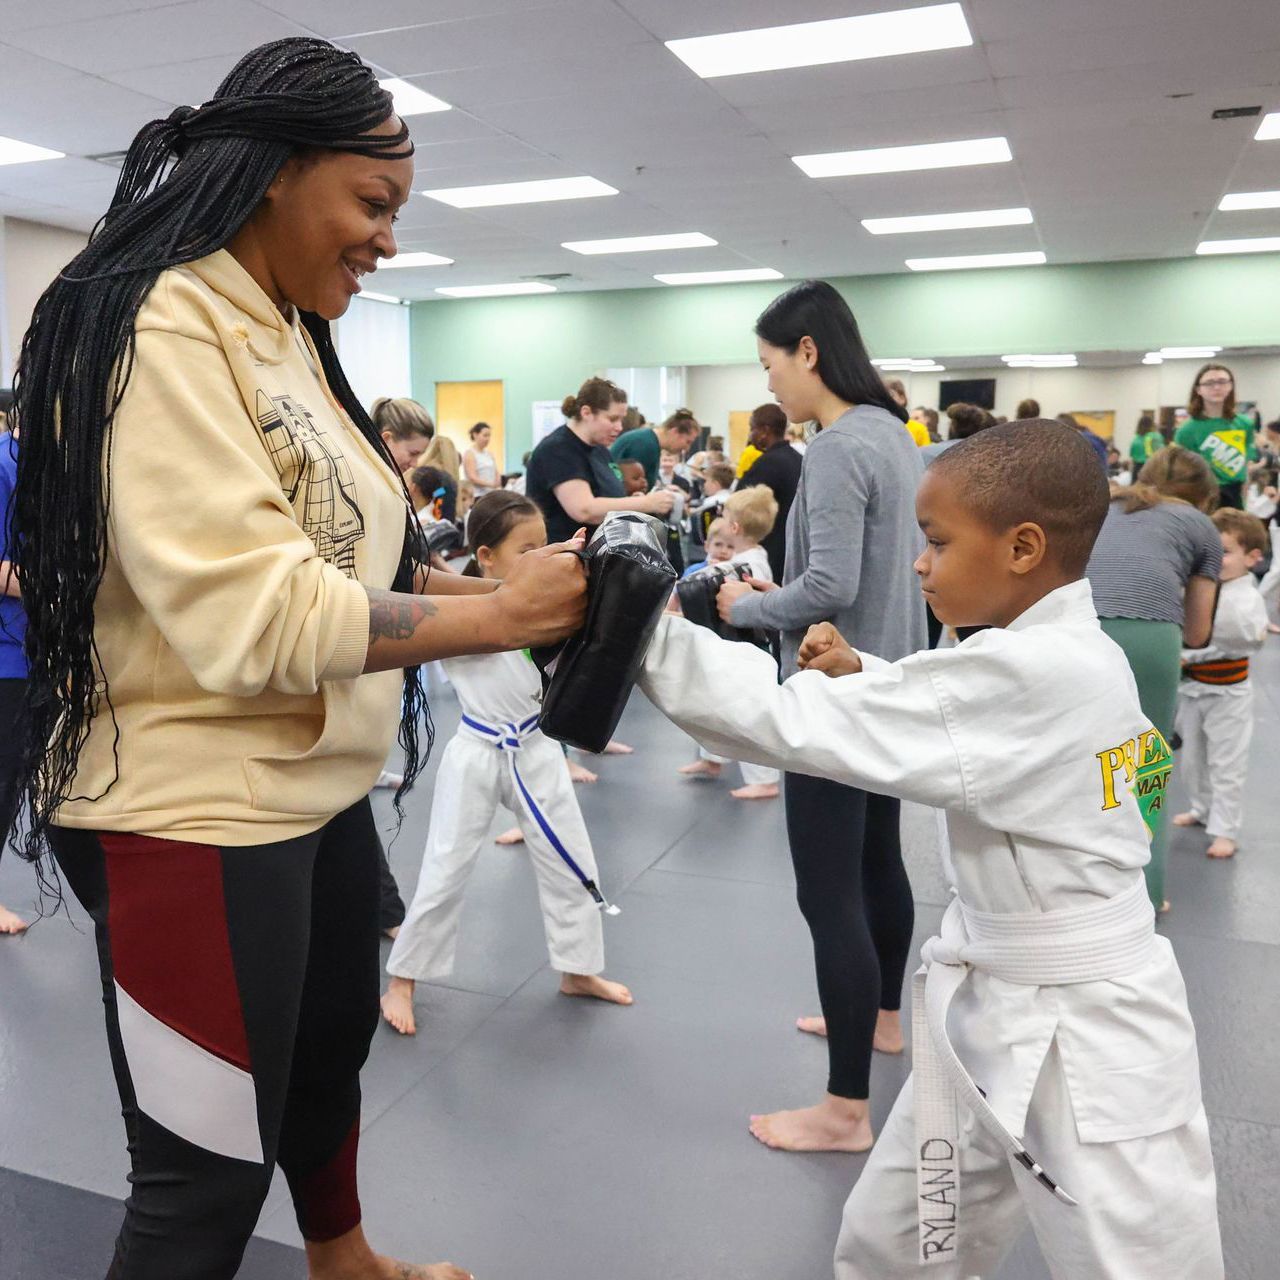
1227	446
1145	447
642	445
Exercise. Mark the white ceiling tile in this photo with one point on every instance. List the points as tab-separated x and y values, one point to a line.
50	13
335	18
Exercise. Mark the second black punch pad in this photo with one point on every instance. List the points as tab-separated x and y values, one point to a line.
589	679
697	594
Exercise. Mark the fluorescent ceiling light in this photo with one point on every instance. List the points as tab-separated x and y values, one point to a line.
1153	357
1043	364
1188	353
379	297
642	244
521	192
1258	244
926	155
1269	129
495	290
409	100
967	261
413	260
720	277
14	152
947	221
899	363
1031	359
1250	200
812	44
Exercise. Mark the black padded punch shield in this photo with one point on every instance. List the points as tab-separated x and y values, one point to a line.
697	595
629	581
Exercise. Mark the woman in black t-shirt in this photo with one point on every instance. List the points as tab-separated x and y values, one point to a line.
570	474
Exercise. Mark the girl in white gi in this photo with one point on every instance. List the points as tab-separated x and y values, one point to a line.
499	756
749	516
1055	1069
1215	698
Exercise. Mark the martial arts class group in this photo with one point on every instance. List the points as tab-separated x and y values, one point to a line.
318	665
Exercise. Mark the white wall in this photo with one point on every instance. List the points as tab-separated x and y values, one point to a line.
372	340
31	255
715	390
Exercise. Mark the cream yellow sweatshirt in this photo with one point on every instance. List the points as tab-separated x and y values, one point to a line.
245	512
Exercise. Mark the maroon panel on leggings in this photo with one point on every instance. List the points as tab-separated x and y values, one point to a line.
170	948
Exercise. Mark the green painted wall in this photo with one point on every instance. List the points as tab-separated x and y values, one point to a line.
542	347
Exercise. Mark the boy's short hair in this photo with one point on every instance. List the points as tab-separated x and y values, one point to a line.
755	509
624	463
1246	529
1033	470
718	528
722	473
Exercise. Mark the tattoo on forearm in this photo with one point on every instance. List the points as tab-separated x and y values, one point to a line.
395	617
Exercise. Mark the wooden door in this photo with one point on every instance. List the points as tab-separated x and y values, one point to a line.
739	428
460	405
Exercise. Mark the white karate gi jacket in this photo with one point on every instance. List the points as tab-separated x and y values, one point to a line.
1239	631
1032	740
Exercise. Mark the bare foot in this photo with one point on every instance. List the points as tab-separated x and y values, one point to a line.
812	1026
756	791
888	1036
700	769
579	773
612	748
514	836
1187	820
393	933
835	1124
1163	908
595	987
1222	848
10	923
350	1258
1273	629
397	1006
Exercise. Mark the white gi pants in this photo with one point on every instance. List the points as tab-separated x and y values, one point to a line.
1216	725
1147	1206
754	775
473	780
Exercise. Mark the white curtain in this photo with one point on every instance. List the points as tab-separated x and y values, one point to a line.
373	345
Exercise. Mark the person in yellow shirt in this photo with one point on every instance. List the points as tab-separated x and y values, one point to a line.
224	583
919	432
747	459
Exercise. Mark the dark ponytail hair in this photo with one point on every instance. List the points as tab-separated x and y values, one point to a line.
814	309
188	184
491	519
596	394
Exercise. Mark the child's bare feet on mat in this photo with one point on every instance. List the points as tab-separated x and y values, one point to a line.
835	1124
1187	820
349	1257
888	1036
397	1006
1222	848
595	988
579	773
812	1026
756	791
700	769
514	836
612	748
11	923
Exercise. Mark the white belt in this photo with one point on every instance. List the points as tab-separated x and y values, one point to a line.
1038	949
510	740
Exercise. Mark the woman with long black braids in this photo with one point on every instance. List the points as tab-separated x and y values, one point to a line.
224	584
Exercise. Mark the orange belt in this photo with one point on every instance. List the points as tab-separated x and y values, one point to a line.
1225	671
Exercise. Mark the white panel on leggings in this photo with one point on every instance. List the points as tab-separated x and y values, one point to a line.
185	1088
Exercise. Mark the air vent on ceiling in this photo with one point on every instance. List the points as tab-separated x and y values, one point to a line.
112	159
1236	113
550	277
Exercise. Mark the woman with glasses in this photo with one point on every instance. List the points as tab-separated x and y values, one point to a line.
1217	433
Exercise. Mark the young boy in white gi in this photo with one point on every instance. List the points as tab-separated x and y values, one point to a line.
1215	698
1063	1087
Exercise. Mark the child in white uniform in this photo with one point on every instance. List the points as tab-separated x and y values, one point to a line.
749	515
1050	1022
499	756
1215	698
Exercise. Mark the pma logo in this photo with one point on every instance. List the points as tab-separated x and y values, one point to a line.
1145	763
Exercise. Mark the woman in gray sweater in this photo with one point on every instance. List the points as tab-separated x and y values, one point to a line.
851	542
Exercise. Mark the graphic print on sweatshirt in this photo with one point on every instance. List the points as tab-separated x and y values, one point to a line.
315	476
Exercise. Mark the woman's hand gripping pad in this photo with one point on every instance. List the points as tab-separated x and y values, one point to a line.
697	595
588	680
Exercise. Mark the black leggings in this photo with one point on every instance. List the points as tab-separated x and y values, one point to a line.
241	990
855	896
12	732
